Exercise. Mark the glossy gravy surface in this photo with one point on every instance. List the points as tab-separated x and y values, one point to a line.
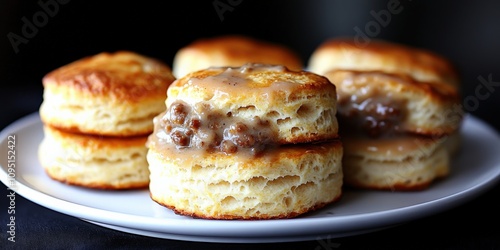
371	113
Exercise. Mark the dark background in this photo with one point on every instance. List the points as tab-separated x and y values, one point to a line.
466	32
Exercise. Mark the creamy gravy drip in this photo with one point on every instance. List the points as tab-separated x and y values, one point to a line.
202	128
371	113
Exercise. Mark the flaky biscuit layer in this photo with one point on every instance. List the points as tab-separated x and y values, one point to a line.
285	182
94	161
405	163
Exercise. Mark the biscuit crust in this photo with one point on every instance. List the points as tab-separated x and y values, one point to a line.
232	51
112	94
385	56
123	75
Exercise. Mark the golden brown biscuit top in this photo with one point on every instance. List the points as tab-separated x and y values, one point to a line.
393	58
123	75
252	77
236	50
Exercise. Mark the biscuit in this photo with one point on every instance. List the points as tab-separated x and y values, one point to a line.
378	103
399	112
94	161
385	56
253	142
400	163
232	51
111	94
281	105
285	182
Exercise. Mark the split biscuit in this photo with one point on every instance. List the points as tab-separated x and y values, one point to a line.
399	112
252	142
388	87
282	105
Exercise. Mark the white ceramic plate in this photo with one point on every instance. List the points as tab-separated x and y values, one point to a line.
473	172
